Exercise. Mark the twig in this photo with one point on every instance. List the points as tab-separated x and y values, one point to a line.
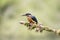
41	28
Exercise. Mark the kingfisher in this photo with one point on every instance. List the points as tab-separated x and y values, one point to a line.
31	19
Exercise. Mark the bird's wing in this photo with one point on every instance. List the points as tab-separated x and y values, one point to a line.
34	19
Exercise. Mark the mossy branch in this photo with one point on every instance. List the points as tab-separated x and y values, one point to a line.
41	28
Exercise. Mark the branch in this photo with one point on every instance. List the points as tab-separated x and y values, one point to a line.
41	28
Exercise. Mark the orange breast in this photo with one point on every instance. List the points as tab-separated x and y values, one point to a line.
30	20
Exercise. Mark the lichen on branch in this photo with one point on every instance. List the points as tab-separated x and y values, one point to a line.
41	28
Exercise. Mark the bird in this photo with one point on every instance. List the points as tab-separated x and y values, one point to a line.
31	19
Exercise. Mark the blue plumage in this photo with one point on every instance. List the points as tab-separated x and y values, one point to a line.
34	19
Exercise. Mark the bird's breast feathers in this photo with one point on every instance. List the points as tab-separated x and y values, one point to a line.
30	20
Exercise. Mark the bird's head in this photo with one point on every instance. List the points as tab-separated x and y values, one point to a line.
27	14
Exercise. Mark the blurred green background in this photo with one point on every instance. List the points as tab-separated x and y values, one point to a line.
46	11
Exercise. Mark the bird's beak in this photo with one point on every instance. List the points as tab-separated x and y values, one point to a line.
24	15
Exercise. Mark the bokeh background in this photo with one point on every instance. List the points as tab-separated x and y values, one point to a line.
46	11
